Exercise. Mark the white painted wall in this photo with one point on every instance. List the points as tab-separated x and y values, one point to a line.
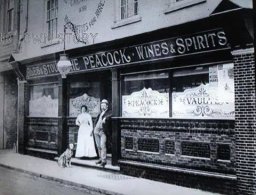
152	14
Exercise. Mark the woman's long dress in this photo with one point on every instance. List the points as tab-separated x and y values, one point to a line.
85	143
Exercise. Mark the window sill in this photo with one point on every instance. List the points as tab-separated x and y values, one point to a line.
126	21
223	161
182	4
50	43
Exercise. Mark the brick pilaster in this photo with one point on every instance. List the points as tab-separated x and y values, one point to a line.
22	93
245	120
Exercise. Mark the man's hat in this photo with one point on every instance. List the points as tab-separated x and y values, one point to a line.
104	101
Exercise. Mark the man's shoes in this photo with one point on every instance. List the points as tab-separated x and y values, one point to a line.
98	162
103	164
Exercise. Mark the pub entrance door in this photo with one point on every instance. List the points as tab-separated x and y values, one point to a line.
89	89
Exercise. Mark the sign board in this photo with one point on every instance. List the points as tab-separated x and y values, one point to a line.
152	51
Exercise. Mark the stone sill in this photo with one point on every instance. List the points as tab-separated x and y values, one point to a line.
172	118
126	21
42	150
50	43
180	170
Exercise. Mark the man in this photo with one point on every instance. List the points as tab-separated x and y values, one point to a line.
102	125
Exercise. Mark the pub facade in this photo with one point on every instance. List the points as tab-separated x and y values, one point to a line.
181	88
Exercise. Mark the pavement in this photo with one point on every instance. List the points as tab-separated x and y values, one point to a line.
95	181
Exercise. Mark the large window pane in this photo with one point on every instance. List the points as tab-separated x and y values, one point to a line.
43	101
145	95
204	92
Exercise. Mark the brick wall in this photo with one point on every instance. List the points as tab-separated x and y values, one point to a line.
245	120
198	144
193	153
10	109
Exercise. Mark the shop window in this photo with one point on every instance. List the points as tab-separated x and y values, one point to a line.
145	95
84	93
43	101
126	12
204	92
174	5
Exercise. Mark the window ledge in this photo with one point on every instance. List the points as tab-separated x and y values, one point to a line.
50	43
223	161
126	21
182	4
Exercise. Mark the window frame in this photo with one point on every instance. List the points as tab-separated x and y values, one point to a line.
170	72
174	5
7	22
119	21
10	12
48	20
54	85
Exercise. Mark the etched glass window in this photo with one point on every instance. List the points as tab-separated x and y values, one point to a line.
129	8
43	101
51	18
204	92
145	95
84	93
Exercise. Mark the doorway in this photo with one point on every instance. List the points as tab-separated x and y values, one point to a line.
89	89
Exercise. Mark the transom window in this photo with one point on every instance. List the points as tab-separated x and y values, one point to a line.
52	19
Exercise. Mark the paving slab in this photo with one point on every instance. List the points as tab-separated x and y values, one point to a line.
100	181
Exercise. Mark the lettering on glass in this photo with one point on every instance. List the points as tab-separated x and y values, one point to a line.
146	103
92	103
209	100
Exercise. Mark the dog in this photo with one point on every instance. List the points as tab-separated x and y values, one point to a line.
65	159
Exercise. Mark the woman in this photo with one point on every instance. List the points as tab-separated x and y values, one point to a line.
85	143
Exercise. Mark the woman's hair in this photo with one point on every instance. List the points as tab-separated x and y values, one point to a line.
84	106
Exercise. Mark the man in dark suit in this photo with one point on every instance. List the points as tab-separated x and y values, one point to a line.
102	124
